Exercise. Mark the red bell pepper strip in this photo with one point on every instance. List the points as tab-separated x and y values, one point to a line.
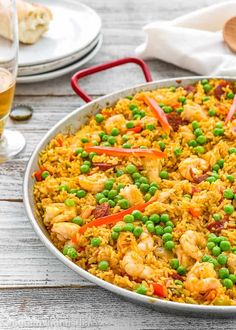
122	152
159	289
136	129
232	111
114	218
158	113
60	142
38	174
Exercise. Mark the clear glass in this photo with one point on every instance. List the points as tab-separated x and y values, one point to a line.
11	142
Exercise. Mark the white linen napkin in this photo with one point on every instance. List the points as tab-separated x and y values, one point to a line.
193	41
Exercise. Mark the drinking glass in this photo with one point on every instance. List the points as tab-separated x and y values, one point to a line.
11	142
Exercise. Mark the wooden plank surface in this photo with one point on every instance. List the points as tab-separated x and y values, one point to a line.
35	288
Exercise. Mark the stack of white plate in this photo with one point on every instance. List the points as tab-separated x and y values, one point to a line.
74	37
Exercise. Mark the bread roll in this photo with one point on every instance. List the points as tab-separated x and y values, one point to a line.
33	21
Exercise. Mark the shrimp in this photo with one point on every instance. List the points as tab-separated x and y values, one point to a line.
59	212
192	167
164	195
134	254
117	121
193	111
93	183
132	194
65	230
202	278
153	168
190	242
232	263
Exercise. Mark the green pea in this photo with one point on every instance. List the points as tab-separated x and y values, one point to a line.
112	193
211	179
129	227
145	218
152	190
168	229
170	245
105	192
195	124
120	186
45	174
95	143
165	217
137	231
167	109
228	193
218	131
197	132
216	251
96	241
111	140
232	151
130	168
136	176
124	204
159	230
69	202
114	235
119	172
63	187
179	110
192	143
230	96
187	196
211	112
205	99
72	253
219	124
125	138
101	134
232	277
222	259
103	200
109	184
143	180
174	263
141	289
103	265
216	167
117	198
177	151
229	209
230	178
150	127
207	88
167	237
223	272
78	220
150	226
225	246
220	162
137	215
92	154
115	131
126	145
182	99
169	223
84	168
164	175
172	89
130	124
128	218
133	106
181	270
99	196
206	258
111	203
106	144
210	245
201	139
162	145
216	216
144	187
199	149
154	184
155	218
84	154
81	193
147	197
204	81
84	140
78	151
105	137
227	283
99	118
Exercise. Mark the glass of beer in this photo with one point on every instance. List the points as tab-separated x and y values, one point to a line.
11	142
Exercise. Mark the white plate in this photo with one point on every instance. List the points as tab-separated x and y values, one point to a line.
62	71
51	66
73	27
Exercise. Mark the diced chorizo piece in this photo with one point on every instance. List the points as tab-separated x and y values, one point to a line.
101	210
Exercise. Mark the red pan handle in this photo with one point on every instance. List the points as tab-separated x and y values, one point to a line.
101	67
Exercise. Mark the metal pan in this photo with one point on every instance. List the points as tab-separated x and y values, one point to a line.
71	123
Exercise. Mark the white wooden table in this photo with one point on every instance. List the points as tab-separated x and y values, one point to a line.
36	290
